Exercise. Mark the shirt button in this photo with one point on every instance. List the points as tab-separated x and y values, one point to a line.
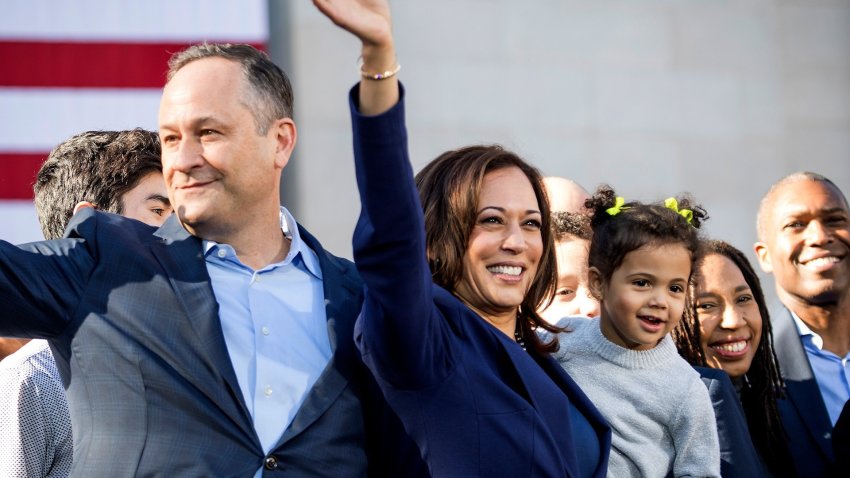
265	330
268	391
222	253
270	463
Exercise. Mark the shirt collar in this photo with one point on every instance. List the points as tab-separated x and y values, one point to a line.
804	330
297	248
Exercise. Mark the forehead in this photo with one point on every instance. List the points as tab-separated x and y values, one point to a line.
719	270
806	197
505	187
213	84
663	261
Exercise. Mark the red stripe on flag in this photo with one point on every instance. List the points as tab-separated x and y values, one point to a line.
19	170
86	64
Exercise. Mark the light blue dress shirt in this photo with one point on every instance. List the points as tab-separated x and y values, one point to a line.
831	371
275	328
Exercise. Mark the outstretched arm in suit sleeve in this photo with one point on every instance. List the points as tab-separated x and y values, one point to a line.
41	282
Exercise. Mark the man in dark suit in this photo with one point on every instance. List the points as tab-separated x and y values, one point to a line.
221	343
804	241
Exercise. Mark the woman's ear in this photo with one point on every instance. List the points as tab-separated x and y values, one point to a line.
595	283
83	205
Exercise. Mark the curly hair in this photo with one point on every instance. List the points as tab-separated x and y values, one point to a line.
637	225
762	382
571	224
449	187
94	166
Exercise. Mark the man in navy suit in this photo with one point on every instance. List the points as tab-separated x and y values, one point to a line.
804	241
221	343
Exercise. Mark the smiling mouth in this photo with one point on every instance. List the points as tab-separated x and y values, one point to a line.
506	273
735	349
650	323
821	261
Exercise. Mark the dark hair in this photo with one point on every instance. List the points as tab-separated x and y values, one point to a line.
637	225
95	166
762	382
270	92
571	224
449	187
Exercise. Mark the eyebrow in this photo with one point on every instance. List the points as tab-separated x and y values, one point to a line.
160	198
501	209
742	288
196	122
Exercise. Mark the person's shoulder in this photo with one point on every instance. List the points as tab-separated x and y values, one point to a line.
90	223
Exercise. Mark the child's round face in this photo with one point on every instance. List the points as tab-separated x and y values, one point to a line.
645	297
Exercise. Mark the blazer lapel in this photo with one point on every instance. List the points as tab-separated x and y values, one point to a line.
343	299
800	384
181	255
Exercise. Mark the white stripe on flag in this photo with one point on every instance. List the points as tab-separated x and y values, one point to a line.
154	20
20	224
42	118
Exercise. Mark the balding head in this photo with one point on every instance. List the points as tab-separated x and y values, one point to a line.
565	195
766	205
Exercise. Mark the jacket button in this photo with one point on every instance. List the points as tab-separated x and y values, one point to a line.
271	463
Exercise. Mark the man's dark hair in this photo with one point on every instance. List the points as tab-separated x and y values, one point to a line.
269	95
95	166
565	224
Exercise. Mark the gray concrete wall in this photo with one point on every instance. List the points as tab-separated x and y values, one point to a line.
719	98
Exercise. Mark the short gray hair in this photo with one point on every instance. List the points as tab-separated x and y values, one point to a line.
270	92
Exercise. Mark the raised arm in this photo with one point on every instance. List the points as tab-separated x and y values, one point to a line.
401	334
369	20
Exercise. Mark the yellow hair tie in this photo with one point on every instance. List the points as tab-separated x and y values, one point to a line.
618	206
671	203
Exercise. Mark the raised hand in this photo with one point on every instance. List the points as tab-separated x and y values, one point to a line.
369	20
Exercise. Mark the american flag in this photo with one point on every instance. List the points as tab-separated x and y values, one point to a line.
68	66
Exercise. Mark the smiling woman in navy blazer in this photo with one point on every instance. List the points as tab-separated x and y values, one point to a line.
451	296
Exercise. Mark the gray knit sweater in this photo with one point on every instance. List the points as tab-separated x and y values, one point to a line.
659	410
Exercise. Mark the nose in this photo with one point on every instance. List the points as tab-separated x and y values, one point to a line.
587	305
514	239
816	233
658	299
731	319
183	157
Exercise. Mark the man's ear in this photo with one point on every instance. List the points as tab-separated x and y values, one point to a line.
286	136
595	283
763	255
83	205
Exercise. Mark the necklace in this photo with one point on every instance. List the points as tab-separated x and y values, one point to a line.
518	334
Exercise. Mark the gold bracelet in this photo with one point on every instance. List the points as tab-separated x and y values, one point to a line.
380	76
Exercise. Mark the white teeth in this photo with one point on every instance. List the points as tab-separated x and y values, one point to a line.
507	270
822	261
733	347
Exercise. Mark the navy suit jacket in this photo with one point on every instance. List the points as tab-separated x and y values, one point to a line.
841	442
738	455
471	398
803	412
134	327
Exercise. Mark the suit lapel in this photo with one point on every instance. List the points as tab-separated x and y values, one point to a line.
800	384
181	255
343	300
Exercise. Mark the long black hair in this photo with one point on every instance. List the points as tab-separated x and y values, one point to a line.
762	383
